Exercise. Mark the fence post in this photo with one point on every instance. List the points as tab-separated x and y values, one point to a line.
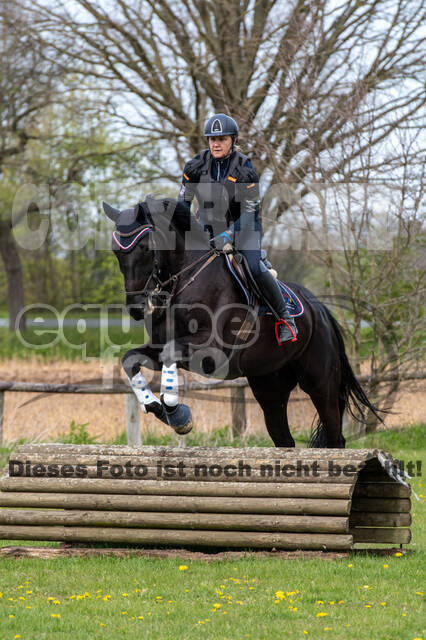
238	408
2	394
133	423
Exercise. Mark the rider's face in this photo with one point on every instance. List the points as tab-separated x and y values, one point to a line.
220	146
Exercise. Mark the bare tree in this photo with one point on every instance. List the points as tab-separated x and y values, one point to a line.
293	75
26	87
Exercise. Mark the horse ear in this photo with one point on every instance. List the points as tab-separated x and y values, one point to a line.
113	214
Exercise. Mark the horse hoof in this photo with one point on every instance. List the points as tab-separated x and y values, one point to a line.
183	430
179	418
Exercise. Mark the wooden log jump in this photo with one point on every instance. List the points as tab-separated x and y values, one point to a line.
200	496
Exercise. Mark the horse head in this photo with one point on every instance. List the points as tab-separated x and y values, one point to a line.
131	246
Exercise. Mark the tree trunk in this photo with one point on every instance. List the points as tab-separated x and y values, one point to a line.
15	284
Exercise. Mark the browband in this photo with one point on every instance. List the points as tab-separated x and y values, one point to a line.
139	233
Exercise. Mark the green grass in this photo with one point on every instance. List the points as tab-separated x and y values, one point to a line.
245	588
153	598
73	345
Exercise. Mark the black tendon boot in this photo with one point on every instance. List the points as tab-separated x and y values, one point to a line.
285	329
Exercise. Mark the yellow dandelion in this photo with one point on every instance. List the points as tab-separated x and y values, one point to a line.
186	590
385	566
56	602
305	632
124	613
21	597
341	602
55	615
321	614
21	586
17	636
368	606
102	624
11	615
124	595
136	590
320	601
28	591
183	567
28	607
331	602
140	617
419	593
328	628
350	566
201	622
398	554
222	586
383	604
251	588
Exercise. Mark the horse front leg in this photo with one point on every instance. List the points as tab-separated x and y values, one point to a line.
167	408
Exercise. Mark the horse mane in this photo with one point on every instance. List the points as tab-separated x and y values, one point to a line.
181	220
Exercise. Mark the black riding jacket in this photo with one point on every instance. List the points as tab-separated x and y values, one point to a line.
227	192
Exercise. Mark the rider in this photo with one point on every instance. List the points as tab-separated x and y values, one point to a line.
227	190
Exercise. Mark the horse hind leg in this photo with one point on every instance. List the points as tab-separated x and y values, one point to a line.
328	432
272	393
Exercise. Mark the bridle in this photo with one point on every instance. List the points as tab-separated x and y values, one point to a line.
158	284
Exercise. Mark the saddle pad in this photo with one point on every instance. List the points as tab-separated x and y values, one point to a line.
294	304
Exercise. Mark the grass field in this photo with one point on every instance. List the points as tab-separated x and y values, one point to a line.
356	597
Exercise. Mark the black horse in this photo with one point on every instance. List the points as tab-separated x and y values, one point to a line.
193	310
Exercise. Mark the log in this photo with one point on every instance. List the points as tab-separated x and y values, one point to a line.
176	456
391	536
214	473
361	519
210	521
198	452
304	506
185	488
157	537
385	505
381	490
204	496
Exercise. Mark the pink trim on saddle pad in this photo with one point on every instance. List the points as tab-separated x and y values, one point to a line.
135	239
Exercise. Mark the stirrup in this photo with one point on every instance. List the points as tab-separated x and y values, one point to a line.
280	334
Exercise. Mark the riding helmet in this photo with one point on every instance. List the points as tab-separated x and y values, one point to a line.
220	125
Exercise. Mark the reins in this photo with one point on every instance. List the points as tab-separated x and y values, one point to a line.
209	256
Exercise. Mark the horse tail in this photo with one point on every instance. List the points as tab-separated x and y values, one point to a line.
351	394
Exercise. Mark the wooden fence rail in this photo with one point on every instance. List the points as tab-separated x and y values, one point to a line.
131	403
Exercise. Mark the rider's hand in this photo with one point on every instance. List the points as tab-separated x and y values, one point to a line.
222	240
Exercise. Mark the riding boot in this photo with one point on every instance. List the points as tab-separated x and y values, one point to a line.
286	329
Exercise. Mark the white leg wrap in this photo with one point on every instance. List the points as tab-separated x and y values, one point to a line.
142	391
170	385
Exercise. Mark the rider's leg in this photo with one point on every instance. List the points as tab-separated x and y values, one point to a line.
286	327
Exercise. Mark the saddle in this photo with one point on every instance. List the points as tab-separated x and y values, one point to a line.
239	269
